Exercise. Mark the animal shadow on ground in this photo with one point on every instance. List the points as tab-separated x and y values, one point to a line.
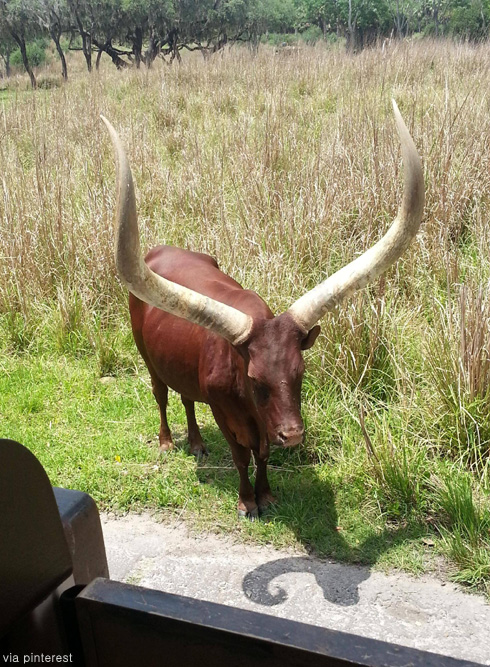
306	506
339	583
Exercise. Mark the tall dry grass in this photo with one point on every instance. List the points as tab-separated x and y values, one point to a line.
283	166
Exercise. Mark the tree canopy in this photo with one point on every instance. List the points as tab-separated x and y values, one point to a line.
135	32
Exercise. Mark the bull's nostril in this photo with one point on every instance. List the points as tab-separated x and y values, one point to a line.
290	437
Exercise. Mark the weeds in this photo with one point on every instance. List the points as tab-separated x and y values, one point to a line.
398	468
465	529
458	360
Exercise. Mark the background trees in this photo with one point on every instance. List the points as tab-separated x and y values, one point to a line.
54	18
132	32
18	24
7	45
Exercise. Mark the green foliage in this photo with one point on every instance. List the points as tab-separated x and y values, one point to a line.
458	361
470	19
399	468
311	35
466	528
170	26
97	435
36	52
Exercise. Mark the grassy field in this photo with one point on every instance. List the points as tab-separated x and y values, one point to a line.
284	166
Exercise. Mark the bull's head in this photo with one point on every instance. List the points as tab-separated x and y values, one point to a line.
271	347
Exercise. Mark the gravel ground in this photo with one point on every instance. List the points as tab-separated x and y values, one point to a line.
420	612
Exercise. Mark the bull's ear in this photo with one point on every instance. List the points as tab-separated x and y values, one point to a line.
310	338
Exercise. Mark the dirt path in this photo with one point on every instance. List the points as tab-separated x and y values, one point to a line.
423	613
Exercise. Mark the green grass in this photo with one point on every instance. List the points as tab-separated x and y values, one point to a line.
99	436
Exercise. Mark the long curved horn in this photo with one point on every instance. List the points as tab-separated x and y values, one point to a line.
147	285
308	309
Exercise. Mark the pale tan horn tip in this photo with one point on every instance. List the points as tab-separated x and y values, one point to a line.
109	126
402	128
404	134
120	154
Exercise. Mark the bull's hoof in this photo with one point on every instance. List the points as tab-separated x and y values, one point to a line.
200	453
265	502
251	515
165	446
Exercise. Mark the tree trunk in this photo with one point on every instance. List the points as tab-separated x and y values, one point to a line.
23	51
175	53
220	44
87	49
138	46
351	31
55	36
172	46
400	21
435	14
323	27
97	62
111	51
6	60
86	37
153	50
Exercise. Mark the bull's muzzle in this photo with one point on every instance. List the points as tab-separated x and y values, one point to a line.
290	437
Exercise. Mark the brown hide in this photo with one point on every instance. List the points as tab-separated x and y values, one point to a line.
253	389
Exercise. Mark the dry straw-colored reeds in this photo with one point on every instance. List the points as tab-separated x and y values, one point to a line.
283	166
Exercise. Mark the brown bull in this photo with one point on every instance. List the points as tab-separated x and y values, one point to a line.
210	340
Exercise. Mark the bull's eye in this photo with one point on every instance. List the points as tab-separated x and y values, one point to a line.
261	392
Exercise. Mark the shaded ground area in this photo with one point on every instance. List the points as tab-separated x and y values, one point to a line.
423	613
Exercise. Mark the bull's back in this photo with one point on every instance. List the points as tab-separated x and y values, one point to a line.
182	266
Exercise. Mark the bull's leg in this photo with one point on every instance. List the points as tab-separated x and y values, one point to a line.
263	493
247	507
160	392
196	443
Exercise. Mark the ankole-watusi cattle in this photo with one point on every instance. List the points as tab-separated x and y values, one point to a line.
210	340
